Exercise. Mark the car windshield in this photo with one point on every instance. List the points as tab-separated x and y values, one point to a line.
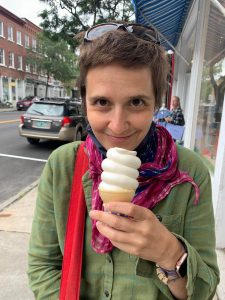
51	110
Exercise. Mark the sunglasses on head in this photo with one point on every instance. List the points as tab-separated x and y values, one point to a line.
140	31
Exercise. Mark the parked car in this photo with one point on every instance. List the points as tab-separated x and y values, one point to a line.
53	119
26	102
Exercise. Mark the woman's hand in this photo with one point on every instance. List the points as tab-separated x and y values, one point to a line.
140	234
168	120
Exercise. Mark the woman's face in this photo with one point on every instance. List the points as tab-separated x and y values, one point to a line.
120	104
175	102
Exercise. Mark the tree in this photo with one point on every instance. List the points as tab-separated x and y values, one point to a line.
80	15
53	59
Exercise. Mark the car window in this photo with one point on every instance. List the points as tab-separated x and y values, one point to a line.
73	110
52	110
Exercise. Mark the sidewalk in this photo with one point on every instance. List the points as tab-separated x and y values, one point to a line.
15	227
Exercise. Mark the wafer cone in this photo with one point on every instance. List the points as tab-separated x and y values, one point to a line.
109	196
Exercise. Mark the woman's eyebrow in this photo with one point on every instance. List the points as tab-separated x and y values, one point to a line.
142	96
96	97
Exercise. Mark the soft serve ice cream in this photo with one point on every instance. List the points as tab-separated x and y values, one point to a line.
119	176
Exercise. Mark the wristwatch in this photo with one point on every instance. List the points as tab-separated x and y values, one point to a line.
166	276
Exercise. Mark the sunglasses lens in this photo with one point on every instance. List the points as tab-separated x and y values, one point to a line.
98	31
142	32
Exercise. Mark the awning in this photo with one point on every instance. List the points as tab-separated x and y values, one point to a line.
166	16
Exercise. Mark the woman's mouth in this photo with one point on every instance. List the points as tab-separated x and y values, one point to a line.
123	138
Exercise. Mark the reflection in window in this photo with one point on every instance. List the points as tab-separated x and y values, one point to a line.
212	85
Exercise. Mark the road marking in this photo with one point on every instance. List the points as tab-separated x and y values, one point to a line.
23	157
9	121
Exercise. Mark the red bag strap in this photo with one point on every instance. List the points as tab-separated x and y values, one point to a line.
73	249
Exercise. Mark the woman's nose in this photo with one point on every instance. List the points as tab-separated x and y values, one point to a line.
119	121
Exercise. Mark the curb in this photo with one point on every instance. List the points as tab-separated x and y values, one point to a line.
7	109
18	196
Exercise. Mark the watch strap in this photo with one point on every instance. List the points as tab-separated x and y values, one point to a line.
166	276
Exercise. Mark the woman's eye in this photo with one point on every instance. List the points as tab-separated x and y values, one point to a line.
137	102
101	102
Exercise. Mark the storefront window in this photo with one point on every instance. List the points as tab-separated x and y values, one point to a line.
212	85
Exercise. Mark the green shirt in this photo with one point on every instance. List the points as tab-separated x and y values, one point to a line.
118	275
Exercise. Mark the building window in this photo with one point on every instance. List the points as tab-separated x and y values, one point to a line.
1	29
35	69
27	41
34	44
20	63
2	57
19	38
10	33
28	68
11	59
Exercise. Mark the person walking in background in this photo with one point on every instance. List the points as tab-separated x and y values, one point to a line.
159	246
176	117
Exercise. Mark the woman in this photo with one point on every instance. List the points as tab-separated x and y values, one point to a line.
166	248
176	117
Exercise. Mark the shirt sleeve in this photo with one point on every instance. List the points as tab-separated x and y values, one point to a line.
44	256
199	238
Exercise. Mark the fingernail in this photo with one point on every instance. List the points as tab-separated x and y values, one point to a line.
105	207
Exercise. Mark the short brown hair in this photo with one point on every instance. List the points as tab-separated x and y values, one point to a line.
129	51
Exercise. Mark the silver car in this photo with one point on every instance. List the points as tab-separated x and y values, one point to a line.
53	119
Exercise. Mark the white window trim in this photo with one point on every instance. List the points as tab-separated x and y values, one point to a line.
27	41
2	32
20	69
3	64
13	60
34	43
11	37
19	43
28	68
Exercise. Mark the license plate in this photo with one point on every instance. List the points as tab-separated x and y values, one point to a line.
41	124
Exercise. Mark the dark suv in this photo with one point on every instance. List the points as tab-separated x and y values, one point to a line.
53	119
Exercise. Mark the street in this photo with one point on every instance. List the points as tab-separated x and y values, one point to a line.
20	163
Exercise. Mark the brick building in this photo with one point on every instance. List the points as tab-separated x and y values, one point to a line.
18	79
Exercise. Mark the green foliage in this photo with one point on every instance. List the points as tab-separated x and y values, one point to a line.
65	18
54	59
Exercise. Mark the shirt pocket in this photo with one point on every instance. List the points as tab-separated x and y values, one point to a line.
173	223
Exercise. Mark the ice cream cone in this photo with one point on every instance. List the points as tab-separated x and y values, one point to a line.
111	196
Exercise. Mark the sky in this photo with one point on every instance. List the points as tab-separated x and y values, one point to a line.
28	9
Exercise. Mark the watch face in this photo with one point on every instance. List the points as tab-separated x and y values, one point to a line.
182	271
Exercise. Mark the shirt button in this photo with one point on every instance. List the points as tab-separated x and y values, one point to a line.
106	293
109	259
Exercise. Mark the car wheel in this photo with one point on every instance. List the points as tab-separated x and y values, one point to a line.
78	136
33	141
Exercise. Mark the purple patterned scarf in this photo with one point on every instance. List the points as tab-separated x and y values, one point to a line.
156	180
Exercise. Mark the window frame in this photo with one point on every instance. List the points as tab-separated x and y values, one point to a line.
27	41
20	62
2	57
11	60
1	29
10	33
19	41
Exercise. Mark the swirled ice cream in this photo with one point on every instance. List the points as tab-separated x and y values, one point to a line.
119	176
